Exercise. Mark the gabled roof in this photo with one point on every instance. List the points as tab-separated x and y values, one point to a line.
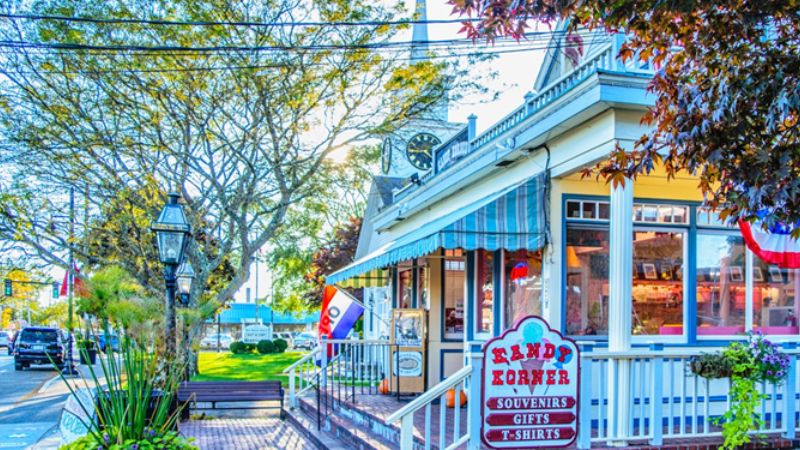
385	186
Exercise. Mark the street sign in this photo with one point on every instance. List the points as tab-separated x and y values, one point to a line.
252	334
530	388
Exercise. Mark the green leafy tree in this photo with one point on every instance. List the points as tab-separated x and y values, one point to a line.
241	120
727	101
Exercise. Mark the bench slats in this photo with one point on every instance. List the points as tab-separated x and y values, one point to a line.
231	391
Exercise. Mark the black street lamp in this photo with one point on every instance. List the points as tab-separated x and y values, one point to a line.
172	235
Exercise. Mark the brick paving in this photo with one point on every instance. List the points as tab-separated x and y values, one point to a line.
245	434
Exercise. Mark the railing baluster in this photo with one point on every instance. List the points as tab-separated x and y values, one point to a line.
706	418
683	404
443	421
671	402
457	413
656	403
694	404
789	422
428	426
602	431
773	422
642	407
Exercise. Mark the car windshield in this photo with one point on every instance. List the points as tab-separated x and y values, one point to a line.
39	336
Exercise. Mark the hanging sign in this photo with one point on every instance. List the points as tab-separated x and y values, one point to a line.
530	388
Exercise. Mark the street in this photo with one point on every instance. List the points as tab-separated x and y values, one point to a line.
26	415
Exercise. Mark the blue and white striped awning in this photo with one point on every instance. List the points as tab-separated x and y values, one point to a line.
512	218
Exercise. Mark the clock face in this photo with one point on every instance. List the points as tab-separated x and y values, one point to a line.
386	155
419	150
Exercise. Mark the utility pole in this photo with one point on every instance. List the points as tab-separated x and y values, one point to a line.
70	272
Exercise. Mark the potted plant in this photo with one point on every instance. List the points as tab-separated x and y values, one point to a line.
746	364
88	351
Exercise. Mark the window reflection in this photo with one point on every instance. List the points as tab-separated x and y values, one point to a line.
454	282
587	282
405	284
720	284
775	305
657	283
523	278
485	290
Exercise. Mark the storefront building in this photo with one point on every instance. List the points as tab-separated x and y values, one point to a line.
502	226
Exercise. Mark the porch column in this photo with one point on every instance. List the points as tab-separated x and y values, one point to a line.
620	263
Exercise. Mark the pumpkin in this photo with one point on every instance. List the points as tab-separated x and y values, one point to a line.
450	398
383	388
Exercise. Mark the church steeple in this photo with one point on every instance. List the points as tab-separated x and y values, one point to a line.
419	52
419	37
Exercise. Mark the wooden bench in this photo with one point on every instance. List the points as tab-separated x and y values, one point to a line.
214	392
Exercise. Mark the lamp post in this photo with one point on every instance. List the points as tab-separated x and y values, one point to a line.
172	235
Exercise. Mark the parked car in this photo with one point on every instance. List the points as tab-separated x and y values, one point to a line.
211	340
112	344
5	339
305	340
286	336
38	345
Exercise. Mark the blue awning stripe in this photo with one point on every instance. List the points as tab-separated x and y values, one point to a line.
513	219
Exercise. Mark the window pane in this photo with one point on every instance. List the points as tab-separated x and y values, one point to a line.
454	279
423	283
404	286
587	282
485	290
523	270
720	284
603	211
588	210
775	305
657	282
574	210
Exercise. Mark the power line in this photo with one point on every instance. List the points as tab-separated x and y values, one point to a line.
233	23
476	53
257	49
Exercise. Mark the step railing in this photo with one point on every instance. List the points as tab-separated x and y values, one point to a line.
467	380
650	395
302	375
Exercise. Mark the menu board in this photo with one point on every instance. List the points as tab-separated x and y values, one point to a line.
530	388
407	359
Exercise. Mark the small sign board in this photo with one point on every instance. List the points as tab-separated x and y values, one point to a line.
77	416
407	355
530	388
254	333
452	151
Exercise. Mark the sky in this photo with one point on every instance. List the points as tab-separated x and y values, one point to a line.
516	73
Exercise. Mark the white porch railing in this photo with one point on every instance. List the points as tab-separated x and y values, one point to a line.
467	379
665	400
340	368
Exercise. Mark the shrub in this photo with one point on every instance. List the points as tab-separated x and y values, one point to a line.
265	347
280	345
241	348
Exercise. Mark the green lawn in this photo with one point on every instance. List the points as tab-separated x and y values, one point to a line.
226	366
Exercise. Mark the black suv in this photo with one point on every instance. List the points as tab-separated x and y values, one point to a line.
33	345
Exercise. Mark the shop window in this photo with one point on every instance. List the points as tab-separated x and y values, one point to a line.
523	279
405	284
775	303
657	283
423	284
587	282
454	295
485	290
587	210
720	284
708	218
648	213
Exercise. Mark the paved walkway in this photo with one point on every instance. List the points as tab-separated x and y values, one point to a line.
245	434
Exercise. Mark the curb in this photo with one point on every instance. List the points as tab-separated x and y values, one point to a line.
48	383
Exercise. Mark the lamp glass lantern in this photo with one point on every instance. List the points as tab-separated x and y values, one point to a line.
184	278
172	232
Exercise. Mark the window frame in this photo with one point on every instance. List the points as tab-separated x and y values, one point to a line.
443	289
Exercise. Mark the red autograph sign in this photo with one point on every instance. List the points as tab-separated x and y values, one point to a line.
530	388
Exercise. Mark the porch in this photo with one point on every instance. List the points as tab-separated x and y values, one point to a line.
348	405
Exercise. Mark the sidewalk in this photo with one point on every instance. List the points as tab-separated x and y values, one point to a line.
245	434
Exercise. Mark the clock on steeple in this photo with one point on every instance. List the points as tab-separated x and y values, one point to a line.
419	150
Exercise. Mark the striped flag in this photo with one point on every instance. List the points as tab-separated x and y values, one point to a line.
340	311
773	246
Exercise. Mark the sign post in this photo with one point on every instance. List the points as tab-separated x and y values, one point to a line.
530	388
